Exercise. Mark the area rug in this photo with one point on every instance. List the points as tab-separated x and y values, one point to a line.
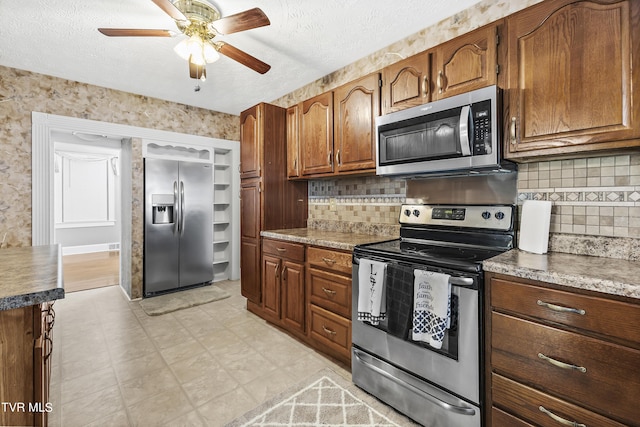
325	399
175	301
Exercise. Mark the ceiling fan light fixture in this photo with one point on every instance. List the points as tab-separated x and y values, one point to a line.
210	53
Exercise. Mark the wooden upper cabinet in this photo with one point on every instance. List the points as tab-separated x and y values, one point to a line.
356	105
250	143
406	83
466	63
572	68
316	134
293	142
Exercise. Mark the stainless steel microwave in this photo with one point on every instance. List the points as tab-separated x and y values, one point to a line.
456	134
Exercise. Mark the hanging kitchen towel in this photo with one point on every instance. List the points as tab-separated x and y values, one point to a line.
372	305
399	295
431	307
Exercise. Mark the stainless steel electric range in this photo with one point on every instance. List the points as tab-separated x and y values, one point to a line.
436	385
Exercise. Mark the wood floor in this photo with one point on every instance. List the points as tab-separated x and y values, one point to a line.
90	271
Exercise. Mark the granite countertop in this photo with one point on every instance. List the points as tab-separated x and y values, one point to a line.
30	275
329	239
607	275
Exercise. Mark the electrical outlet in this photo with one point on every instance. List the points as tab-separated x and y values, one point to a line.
332	204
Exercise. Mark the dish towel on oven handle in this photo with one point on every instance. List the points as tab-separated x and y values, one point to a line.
431	307
372	305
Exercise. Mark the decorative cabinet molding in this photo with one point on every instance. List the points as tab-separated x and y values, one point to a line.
573	68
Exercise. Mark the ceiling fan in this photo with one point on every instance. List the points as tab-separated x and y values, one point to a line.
201	22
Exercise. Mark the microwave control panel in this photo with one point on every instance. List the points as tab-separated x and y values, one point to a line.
481	112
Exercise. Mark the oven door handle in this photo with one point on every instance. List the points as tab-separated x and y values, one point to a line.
461	281
444	405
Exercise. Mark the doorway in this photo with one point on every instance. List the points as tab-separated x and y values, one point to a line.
87	208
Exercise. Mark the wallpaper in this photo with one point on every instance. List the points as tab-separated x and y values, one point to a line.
23	92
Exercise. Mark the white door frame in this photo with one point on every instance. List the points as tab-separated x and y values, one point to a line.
42	168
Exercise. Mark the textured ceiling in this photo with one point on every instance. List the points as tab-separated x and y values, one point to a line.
307	39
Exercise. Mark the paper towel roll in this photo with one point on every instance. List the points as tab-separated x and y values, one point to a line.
534	226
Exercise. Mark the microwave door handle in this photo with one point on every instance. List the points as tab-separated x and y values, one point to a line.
465	146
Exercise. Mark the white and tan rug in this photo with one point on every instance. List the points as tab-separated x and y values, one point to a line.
175	301
326	399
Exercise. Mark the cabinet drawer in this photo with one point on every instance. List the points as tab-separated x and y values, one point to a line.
330	330
331	259
608	379
601	315
331	291
528	403
502	419
292	251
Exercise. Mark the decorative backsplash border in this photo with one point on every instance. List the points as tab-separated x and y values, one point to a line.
595	196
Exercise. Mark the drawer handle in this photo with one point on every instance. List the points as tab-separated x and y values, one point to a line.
562	309
329	260
281	249
562	365
328	331
328	291
560	419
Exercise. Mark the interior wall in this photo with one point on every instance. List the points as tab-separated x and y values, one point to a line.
22	92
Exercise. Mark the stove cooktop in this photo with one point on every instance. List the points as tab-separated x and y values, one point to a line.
455	257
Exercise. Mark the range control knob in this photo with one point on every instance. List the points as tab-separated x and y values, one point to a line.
486	214
407	212
499	215
416	212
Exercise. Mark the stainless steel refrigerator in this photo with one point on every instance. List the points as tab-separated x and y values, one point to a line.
178	233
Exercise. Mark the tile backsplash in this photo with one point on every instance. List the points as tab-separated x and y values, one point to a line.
597	196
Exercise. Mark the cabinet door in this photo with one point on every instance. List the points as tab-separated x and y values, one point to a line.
316	134
271	285
572	68
466	63
357	104
250	142
250	214
293	143
406	83
293	301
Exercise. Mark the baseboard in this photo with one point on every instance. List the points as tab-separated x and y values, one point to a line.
87	249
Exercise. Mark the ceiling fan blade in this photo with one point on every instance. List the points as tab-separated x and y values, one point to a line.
130	32
196	71
247	20
243	57
170	10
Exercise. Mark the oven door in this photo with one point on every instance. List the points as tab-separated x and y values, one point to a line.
406	365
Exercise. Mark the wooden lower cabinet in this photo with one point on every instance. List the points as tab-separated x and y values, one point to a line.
306	290
25	364
557	355
283	289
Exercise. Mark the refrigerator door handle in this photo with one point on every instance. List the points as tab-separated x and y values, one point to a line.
176	211
181	208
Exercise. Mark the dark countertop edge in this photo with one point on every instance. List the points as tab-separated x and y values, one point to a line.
10	302
576	281
25	300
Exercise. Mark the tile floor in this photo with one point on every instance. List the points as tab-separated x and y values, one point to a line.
115	366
